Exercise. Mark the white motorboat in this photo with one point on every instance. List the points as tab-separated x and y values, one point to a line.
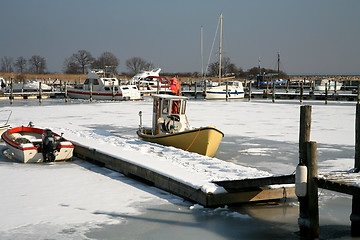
28	86
235	91
329	82
144	74
101	87
31	145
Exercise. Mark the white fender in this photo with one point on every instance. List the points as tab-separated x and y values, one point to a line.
301	180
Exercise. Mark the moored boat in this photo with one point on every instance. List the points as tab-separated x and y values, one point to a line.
331	84
98	86
31	145
171	128
235	90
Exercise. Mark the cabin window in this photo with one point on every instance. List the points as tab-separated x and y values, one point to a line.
86	81
183	107
165	107
125	88
96	82
175	107
107	88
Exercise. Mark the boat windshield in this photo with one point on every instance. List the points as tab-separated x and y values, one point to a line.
165	107
175	107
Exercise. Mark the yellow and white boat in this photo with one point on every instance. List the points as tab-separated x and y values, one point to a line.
171	128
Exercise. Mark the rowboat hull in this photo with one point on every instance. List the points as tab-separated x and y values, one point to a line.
204	141
32	151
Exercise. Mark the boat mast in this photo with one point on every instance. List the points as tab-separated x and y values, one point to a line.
279	65
202	52
220	48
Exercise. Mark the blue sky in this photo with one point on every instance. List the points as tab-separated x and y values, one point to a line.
319	36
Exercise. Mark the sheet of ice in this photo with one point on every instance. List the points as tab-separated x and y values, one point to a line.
47	194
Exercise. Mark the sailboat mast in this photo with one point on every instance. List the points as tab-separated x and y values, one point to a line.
220	48
202	52
279	65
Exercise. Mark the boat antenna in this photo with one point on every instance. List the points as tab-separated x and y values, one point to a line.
278	65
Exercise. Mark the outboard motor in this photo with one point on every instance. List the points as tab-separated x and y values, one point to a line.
49	145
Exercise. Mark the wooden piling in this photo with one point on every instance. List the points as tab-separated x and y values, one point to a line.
113	91
158	87
91	91
287	85
40	92
358	93
309	209
302	93
250	91
326	93
11	91
355	214
205	90
273	91
227	91
195	90
305	127
66	92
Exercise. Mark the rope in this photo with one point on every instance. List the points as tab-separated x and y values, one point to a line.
193	140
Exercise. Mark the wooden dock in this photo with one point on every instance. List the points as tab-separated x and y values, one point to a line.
248	190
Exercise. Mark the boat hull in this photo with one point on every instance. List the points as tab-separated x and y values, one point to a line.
222	95
204	141
83	94
32	151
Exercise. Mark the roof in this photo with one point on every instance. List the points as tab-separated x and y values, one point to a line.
166	96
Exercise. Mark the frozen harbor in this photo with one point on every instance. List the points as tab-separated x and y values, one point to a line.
80	200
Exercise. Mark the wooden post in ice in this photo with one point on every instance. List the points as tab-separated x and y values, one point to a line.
158	87
309	214
326	93
66	92
113	91
11	91
287	85
250	91
227	91
40	92
358	93
195	89
205	88
302	93
335	86
273	91
91	91
355	214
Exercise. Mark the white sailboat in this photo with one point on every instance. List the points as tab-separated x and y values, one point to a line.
228	89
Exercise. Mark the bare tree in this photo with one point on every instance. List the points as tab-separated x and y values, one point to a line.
136	64
7	64
83	58
70	66
20	64
37	64
107	61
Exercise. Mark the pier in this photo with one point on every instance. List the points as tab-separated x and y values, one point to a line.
242	191
343	182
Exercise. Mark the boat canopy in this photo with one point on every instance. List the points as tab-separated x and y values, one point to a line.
166	109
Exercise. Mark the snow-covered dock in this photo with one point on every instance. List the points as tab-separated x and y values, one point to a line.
197	188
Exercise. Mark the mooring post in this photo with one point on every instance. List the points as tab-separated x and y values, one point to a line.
358	93
195	89
11	91
250	91
91	89
158	87
287	85
355	213
273	91
66	93
326	93
302	93
113	91
309	214
335	85
205	88
227	91
40	92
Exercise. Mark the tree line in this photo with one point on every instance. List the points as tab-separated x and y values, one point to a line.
81	61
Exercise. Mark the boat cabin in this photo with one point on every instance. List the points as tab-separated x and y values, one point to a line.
169	114
100	82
